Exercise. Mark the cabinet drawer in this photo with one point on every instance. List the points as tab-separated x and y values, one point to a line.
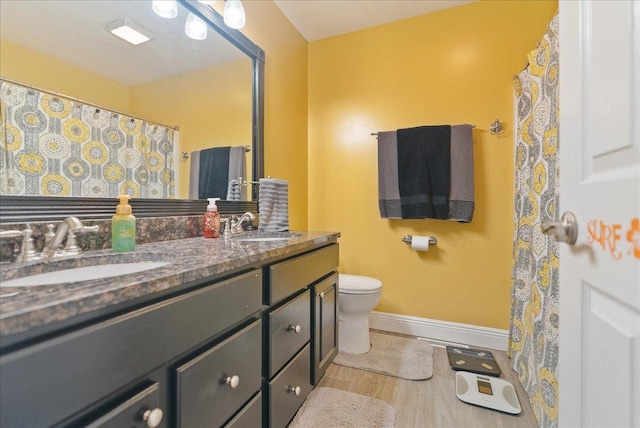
215	384
135	412
288	277
250	416
283	401
92	362
283	323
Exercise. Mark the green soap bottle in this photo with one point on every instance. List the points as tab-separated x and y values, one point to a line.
123	227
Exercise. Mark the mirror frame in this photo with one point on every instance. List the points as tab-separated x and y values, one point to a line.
22	209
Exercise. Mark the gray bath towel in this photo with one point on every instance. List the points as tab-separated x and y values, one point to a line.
194	174
388	191
273	205
233	191
461	198
237	169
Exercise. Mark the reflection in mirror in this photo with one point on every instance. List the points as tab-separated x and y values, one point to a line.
209	90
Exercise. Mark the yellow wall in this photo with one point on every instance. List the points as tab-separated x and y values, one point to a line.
449	67
27	66
285	108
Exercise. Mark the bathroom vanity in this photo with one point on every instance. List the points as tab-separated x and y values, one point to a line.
231	332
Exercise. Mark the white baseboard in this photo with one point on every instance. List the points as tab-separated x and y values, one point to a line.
485	337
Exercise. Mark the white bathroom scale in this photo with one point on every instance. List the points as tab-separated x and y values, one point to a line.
486	391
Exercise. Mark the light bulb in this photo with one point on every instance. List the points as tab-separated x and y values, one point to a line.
207	2
165	8
195	27
234	14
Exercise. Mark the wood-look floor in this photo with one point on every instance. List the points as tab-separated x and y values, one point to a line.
432	403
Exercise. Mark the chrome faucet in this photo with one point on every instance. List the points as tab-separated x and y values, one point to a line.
69	227
27	252
234	223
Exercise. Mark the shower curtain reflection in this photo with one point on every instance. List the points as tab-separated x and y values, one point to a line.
56	146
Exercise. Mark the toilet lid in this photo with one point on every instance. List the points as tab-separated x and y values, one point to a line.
356	284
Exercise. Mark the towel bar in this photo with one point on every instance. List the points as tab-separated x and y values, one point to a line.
184	155
408	238
375	133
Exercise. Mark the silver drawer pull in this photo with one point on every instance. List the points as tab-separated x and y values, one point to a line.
295	328
153	417
232	381
295	389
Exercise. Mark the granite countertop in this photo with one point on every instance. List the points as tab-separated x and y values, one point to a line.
23	309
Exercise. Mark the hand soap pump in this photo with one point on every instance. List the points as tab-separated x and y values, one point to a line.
212	220
123	227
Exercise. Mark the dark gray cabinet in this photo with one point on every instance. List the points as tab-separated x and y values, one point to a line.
70	377
292	331
288	390
250	416
140	411
212	386
289	331
238	352
324	315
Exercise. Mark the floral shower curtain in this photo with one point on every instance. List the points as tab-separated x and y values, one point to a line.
55	146
533	337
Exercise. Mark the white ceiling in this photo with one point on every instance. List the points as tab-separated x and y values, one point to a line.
318	19
73	31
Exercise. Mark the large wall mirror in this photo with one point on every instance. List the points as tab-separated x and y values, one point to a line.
211	90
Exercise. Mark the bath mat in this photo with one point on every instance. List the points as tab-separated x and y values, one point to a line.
334	408
393	356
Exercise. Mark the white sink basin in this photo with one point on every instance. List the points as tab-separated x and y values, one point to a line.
266	236
87	273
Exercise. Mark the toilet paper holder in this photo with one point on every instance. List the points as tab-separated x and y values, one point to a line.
408	238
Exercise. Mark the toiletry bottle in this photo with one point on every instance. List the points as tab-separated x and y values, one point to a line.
212	220
123	227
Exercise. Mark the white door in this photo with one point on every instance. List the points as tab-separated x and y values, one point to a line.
599	361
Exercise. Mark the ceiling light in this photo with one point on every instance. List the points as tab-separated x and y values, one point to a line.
207	2
234	14
130	31
195	27
165	8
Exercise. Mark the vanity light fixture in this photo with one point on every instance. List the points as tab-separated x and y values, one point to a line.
165	8
195	27
234	14
129	31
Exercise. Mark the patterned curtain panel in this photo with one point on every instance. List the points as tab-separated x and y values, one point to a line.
533	341
52	146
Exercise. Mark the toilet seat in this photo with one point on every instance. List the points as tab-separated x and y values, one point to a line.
357	284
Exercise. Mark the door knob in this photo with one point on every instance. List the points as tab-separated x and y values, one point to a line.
565	230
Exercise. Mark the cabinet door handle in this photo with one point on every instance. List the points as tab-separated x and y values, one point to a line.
153	417
295	328
295	389
321	295
233	381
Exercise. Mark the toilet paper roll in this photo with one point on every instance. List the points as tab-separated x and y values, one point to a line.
420	243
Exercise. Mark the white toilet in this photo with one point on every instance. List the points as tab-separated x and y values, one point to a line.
358	296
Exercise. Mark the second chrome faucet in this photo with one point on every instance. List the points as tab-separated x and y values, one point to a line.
53	240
